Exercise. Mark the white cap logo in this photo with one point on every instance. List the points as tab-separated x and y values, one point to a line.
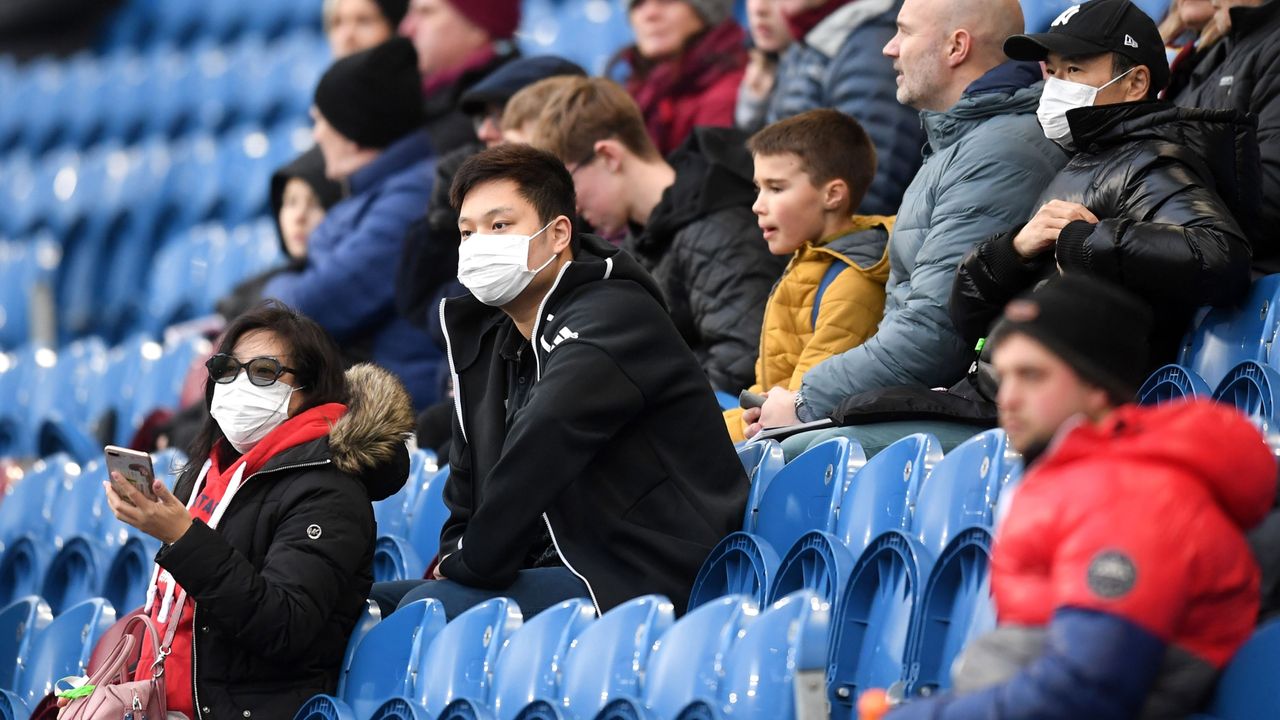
1128	40
1066	16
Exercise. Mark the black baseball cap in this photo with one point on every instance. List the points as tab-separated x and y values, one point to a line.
1096	27
501	84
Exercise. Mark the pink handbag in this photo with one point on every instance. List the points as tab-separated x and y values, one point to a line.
116	694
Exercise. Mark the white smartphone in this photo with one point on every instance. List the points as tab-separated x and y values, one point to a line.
134	466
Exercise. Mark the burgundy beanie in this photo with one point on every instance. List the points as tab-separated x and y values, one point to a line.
499	18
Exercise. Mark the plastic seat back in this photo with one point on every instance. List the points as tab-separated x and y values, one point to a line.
383	664
762	461
1227	336
129	571
740	564
20	621
880	495
369	619
820	562
63	648
689	660
395	559
778	647
75	574
805	494
1253	389
1171	383
22	568
462	659
28	506
607	659
962	489
393	512
531	659
956	608
1248	687
869	646
429	516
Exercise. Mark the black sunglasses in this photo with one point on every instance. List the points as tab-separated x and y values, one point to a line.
263	371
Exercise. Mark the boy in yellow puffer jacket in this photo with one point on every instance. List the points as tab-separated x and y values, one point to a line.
812	171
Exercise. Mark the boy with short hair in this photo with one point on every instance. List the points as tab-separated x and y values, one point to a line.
812	171
689	217
520	116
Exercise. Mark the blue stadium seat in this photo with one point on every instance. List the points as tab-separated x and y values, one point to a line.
368	621
164	377
1171	383
528	667
779	656
428	517
1228	336
805	494
962	489
461	660
740	564
1252	388
819	562
395	559
1248	687
75	574
28	507
125	581
687	661
869	646
956	608
383	664
607	660
20	621
393	513
22	568
881	494
63	648
761	460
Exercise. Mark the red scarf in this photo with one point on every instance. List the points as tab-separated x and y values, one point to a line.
301	428
805	20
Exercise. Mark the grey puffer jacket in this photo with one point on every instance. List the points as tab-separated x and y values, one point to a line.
703	247
988	162
839	65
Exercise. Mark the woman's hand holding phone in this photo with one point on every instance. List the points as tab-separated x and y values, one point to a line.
164	518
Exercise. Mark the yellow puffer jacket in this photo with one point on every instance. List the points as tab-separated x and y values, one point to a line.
850	311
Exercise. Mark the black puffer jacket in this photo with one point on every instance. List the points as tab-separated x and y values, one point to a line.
281	582
706	252
1165	183
617	447
1242	72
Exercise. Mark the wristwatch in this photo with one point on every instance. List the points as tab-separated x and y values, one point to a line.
802	410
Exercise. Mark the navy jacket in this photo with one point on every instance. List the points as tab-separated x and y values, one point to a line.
348	283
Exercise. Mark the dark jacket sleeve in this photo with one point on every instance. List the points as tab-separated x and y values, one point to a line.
551	441
274	611
729	271
1173	240
459	493
991	275
1096	666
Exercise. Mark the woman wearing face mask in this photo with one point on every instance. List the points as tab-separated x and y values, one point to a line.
268	535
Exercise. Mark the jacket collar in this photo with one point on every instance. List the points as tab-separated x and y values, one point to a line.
412	148
1096	128
862	245
1002	90
1247	19
832	30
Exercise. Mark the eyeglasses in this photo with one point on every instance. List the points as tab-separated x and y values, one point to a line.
590	158
262	371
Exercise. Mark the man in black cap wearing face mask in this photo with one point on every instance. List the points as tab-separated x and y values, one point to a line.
1157	198
1120	572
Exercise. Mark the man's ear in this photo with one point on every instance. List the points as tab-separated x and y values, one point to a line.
1138	85
958	47
611	153
561	231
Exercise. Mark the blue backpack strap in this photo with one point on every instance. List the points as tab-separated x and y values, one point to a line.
828	277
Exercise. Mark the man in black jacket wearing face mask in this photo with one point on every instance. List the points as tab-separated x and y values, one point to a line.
1156	198
589	456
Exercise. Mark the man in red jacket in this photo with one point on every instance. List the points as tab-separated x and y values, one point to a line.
1122	578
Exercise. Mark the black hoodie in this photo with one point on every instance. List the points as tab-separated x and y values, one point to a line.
1172	188
706	252
618	448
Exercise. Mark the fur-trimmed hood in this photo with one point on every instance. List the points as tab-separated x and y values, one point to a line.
369	439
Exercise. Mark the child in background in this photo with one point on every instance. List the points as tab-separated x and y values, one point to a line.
769	37
812	171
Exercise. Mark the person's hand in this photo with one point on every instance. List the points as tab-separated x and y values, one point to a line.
436	574
1042	232
165	518
751	422
779	409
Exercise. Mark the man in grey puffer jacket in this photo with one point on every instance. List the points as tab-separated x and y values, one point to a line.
986	162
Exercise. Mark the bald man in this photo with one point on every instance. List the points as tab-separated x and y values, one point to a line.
986	161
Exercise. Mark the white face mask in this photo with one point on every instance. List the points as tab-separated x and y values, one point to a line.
247	413
1058	97
494	267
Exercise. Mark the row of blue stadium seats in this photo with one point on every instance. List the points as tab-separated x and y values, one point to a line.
37	649
77	398
146	22
127	97
58	538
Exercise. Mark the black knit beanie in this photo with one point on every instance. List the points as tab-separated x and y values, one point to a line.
373	97
1097	328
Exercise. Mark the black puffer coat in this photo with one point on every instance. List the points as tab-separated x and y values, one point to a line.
1166	184
1242	72
703	247
281	582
